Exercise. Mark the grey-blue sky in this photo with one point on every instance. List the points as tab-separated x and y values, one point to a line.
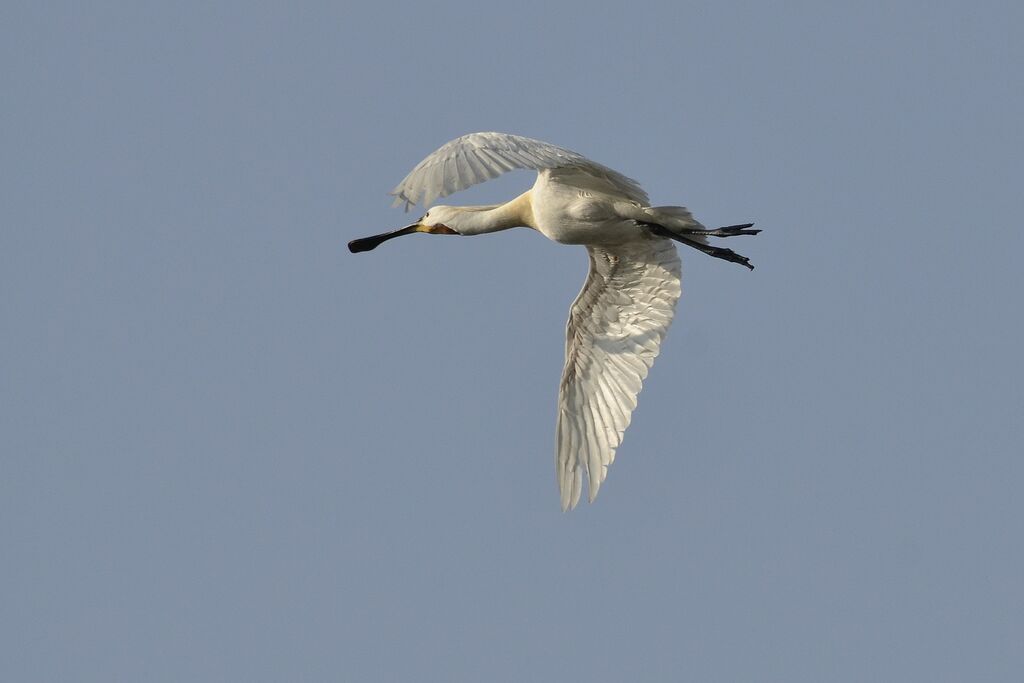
232	450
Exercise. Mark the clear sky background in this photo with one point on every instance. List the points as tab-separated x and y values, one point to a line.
231	450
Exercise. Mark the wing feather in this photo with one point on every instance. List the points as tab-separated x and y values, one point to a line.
477	157
614	333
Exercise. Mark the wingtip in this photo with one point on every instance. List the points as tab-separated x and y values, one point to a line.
401	198
570	487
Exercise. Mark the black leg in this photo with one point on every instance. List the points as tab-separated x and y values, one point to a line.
717	252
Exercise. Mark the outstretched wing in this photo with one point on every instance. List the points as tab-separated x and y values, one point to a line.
477	157
613	335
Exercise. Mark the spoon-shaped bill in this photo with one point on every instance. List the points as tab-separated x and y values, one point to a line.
371	242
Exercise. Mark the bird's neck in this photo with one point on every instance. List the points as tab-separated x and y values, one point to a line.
476	220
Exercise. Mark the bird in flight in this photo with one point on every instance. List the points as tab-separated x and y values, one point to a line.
619	318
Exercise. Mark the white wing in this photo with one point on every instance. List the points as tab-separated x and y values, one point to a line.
613	335
477	157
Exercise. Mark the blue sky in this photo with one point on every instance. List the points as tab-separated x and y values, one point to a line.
234	451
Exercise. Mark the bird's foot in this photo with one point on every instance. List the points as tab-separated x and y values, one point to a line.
730	231
719	252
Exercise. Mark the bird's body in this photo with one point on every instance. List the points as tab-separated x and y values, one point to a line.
620	317
570	213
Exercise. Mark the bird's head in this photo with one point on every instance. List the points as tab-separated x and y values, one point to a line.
433	222
439	219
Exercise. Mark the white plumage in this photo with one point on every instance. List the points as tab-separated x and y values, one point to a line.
613	336
617	323
477	157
